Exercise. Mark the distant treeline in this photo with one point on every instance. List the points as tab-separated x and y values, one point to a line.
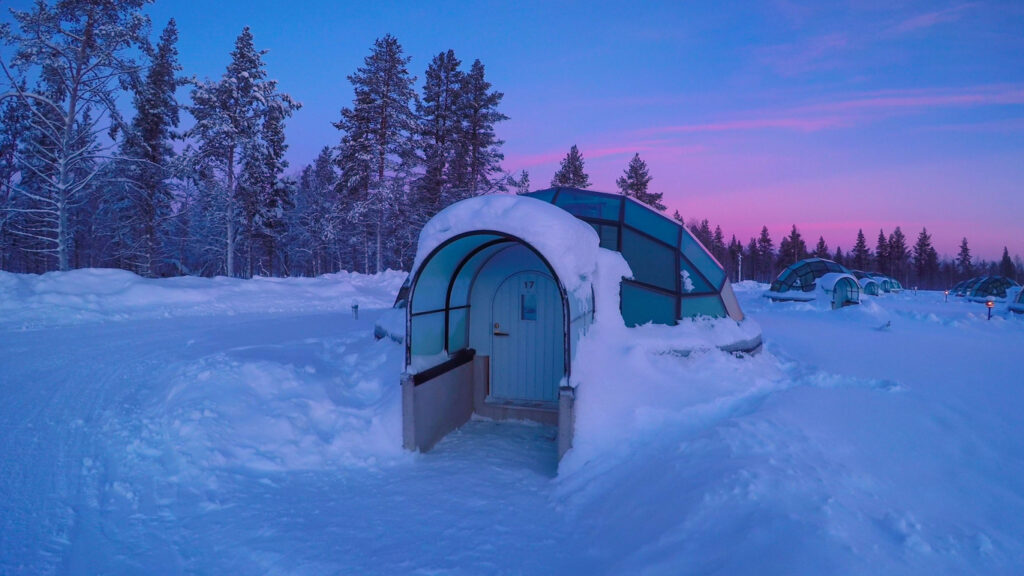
917	265
84	185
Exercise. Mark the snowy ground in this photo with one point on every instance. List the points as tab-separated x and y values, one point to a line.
195	426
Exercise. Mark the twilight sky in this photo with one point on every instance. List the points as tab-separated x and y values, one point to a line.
856	114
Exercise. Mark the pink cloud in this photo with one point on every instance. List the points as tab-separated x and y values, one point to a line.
851	110
785	123
975	96
929	19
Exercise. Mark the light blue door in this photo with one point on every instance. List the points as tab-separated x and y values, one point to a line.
527	344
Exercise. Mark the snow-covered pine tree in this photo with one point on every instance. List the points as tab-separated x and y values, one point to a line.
520	183
899	256
230	116
718	249
765	256
265	197
821	249
635	181
861	254
80	52
476	167
752	261
440	112
377	152
792	249
702	231
735	253
1006	267
570	174
882	262
319	215
839	257
963	260
926	259
14	117
137	209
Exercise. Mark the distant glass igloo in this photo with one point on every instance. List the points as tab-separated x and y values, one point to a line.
1017	305
984	288
868	284
816	279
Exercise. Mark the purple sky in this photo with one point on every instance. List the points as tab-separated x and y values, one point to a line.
833	117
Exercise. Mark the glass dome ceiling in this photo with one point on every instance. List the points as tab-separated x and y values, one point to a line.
674	276
803	274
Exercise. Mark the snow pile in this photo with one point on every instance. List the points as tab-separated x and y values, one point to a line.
96	295
310	405
569	244
633	380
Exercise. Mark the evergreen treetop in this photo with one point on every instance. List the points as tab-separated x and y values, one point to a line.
571	174
634	183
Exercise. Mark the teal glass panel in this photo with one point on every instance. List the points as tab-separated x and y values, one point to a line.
427	334
690	282
699	257
609	236
462	284
589	205
710	305
652	223
545	195
640	306
651	262
457	329
432	283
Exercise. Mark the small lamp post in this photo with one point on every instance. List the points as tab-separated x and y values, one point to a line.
355	311
990	305
946	297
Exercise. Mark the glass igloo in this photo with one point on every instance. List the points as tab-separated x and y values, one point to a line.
816	279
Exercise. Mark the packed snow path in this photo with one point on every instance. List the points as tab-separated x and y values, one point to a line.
193	426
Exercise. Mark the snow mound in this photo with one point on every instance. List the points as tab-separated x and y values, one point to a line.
92	294
568	244
631	380
313	405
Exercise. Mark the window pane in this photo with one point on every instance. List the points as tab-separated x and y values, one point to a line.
692	282
457	339
609	236
528	306
652	223
427	334
703	306
696	254
432	283
462	284
589	205
651	262
640	306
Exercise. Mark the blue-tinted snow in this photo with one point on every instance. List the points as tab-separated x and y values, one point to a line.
252	427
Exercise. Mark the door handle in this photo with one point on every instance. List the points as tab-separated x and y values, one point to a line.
496	333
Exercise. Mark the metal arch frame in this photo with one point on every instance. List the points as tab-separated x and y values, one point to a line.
503	237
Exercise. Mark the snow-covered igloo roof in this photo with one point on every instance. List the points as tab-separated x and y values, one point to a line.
568	245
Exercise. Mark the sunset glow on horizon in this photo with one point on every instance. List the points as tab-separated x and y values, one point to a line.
855	115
